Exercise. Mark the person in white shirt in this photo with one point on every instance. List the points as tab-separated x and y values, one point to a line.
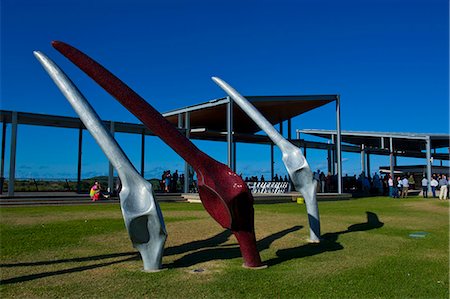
399	188
434	183
425	187
391	186
405	188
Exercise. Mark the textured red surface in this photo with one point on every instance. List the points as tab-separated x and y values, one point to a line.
223	193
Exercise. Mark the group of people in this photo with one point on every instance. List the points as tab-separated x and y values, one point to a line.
325	183
276	178
399	189
396	188
437	182
169	181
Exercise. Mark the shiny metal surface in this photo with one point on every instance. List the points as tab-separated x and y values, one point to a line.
141	213
293	159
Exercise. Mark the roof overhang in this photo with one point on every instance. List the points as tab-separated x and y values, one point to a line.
212	115
381	140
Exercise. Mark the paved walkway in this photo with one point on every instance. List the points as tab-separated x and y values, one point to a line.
69	198
44	194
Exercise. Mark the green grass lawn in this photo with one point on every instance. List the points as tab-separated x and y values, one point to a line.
367	252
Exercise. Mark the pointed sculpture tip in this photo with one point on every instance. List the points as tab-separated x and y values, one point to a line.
57	44
217	80
38	54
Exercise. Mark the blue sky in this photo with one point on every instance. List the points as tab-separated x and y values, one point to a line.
388	60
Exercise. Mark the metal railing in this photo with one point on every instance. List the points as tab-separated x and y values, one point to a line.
269	187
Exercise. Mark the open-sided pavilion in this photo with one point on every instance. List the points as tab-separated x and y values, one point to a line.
413	145
221	120
215	120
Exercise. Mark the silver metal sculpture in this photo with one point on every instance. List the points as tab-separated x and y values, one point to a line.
296	164
141	212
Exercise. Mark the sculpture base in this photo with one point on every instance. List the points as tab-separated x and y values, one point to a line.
154	270
254	268
314	241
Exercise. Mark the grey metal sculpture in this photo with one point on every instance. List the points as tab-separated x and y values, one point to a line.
141	213
296	164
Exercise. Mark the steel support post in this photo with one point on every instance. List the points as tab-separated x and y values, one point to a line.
143	153
333	155
79	157
363	159
428	147
230	153
187	127
180	121
329	162
391	160
289	129
2	167
111	168
12	156
338	145
271	162
234	156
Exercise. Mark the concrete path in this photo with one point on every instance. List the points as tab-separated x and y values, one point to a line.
69	198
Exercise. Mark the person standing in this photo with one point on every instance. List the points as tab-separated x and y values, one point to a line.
399	187
328	182
377	185
443	187
182	181
425	187
412	182
167	180
391	186
405	188
433	184
322	182
366	185
175	181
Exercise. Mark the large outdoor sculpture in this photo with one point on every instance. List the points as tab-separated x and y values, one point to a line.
223	193
296	164
141	212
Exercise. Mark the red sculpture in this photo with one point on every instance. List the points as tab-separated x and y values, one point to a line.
223	193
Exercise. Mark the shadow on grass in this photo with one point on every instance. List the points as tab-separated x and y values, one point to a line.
195	245
329	242
72	260
204	255
60	272
227	251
